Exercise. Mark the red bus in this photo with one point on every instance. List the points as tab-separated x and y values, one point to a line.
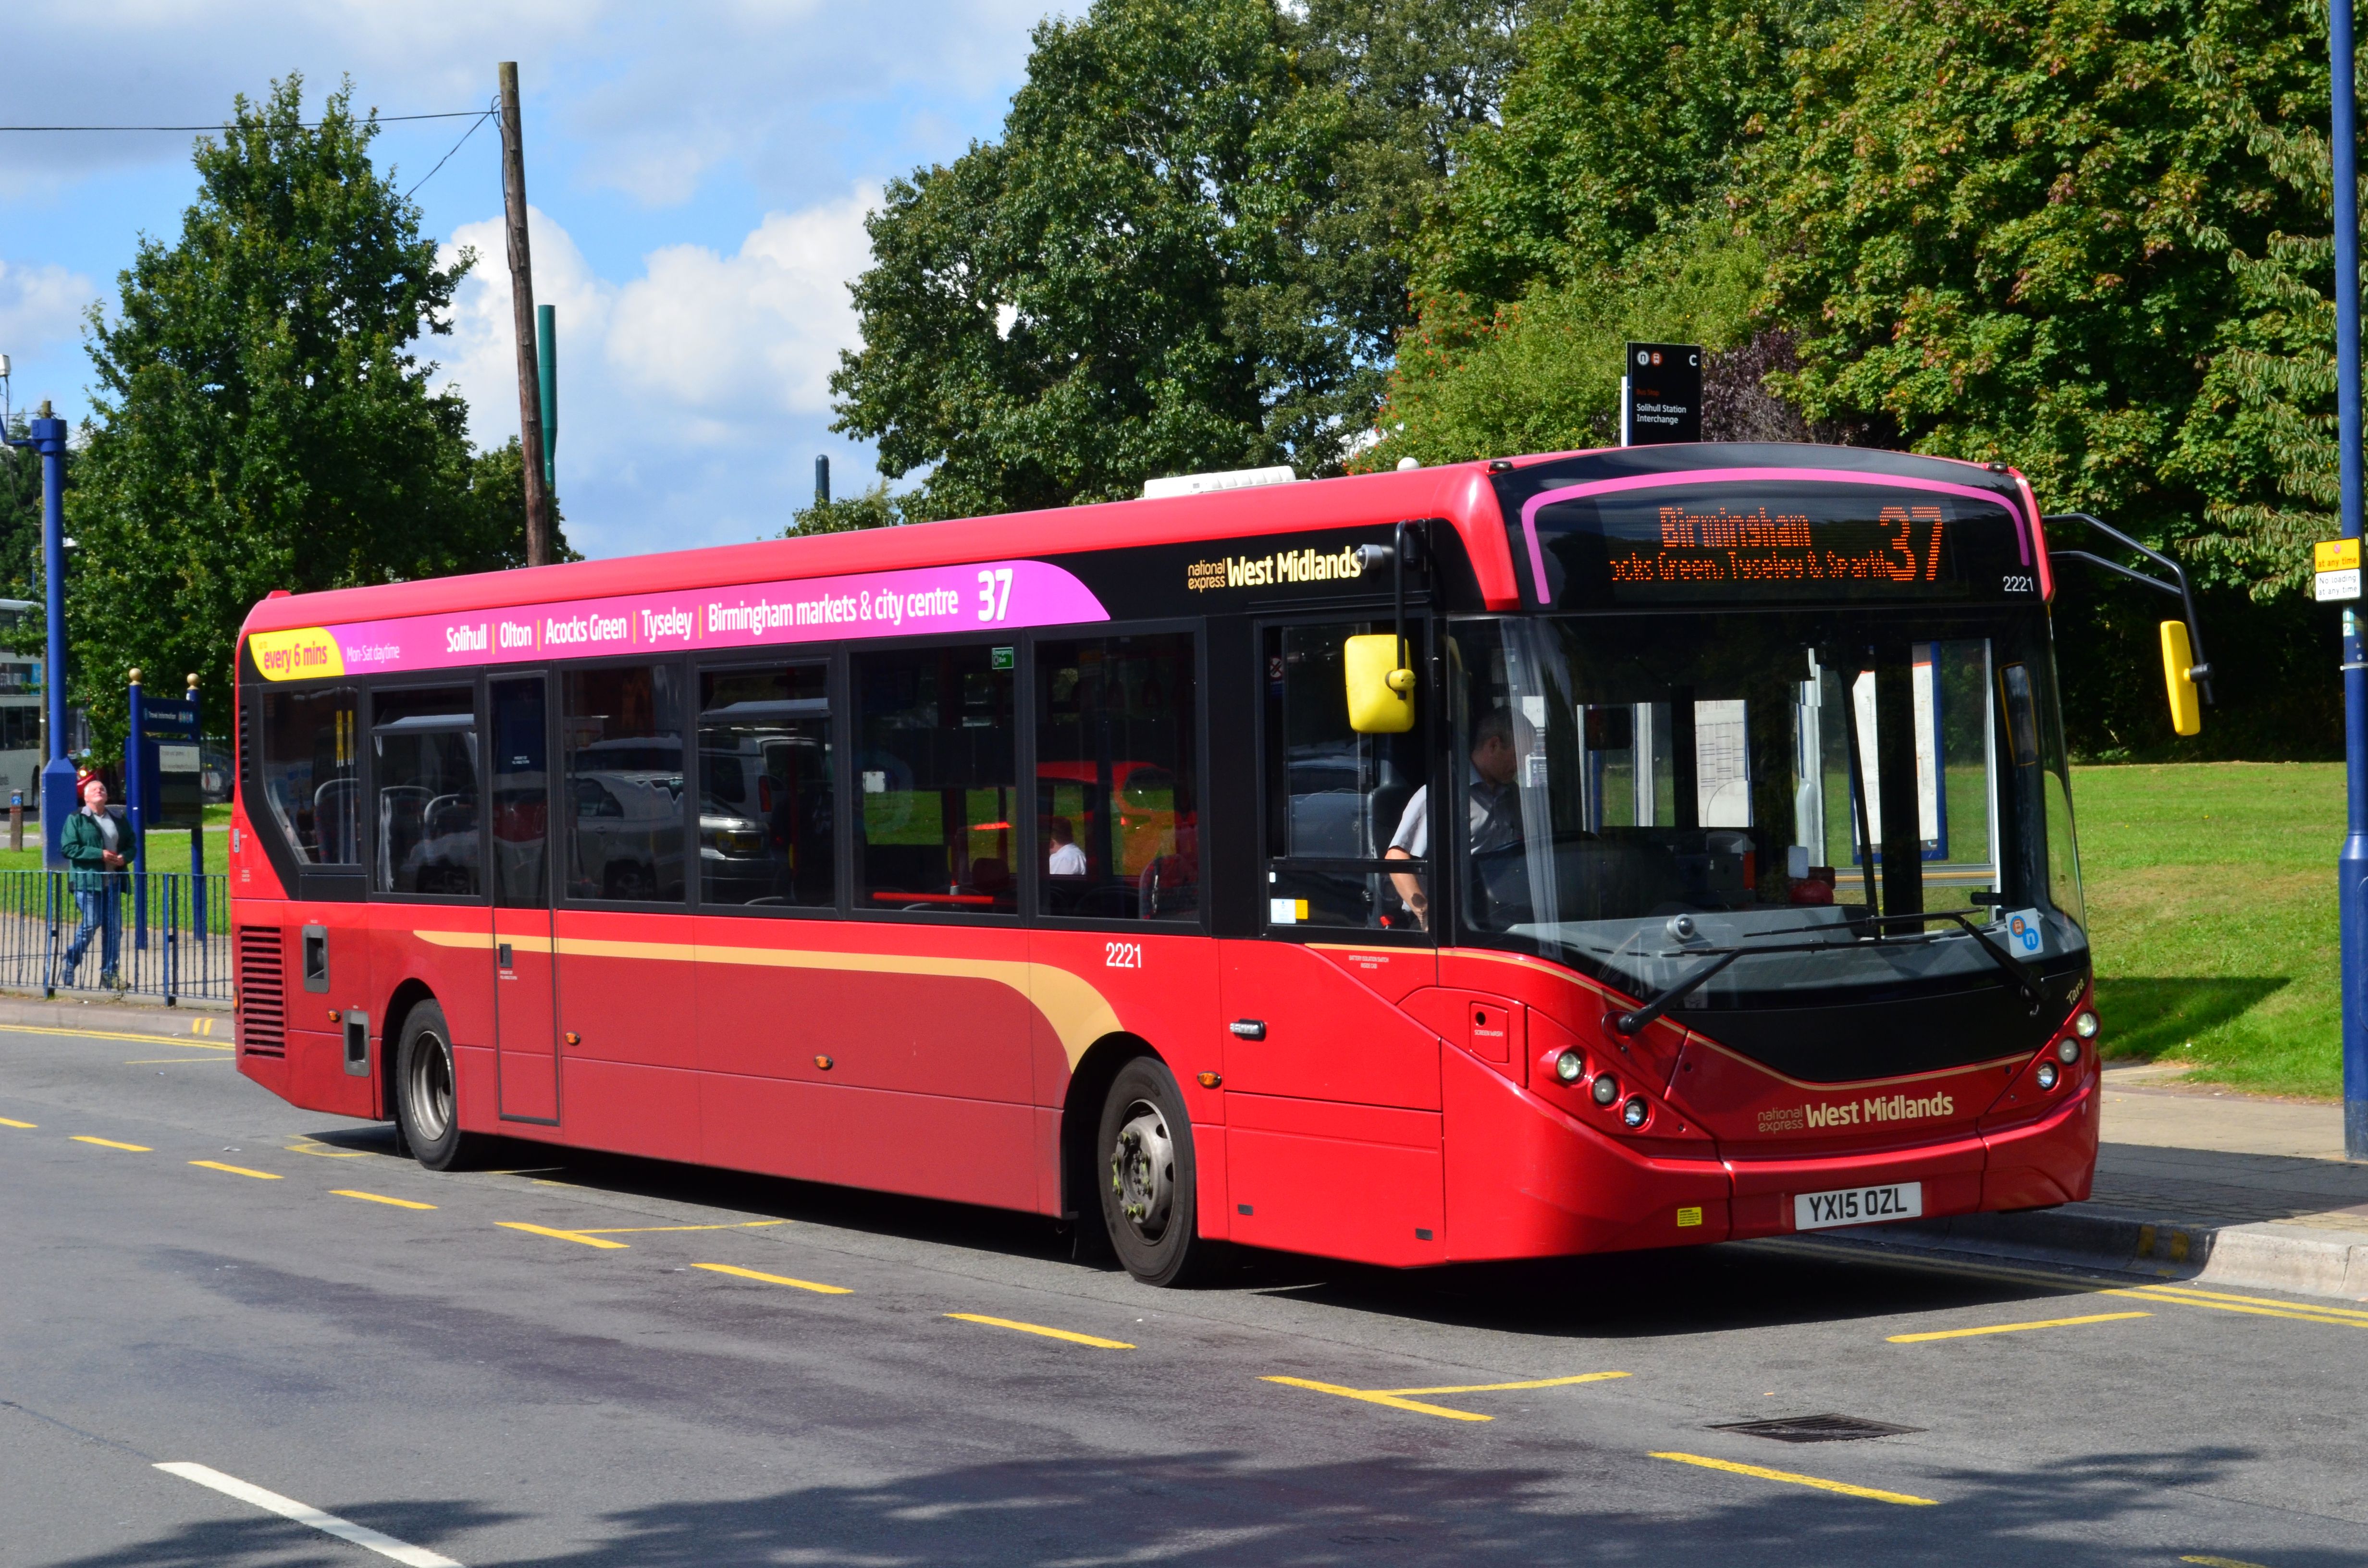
1694	860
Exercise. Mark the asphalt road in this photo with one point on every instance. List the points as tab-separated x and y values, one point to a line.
451	1362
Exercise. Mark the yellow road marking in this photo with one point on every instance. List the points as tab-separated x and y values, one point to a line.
644	1230
111	1143
2221	1562
1496	1388
2282	1310
317	1147
109	1034
234	1170
1047	1333
160	1060
1789	1477
6	1121
2196	1297
374	1198
1374	1396
775	1278
590	1241
2011	1327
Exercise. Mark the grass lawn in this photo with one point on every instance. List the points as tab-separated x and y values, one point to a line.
2210	892
168	853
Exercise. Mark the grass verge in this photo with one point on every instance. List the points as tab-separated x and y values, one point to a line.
2210	893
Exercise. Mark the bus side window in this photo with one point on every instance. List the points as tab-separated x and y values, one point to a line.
310	774
1118	825
1336	796
937	774
425	755
623	734
765	810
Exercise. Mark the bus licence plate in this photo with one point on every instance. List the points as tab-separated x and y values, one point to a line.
1857	1205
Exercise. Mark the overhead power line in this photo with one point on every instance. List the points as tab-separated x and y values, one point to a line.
448	157
228	124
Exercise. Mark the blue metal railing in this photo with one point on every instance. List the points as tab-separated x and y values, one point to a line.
173	936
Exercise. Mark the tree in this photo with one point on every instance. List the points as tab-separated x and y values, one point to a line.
1627	117
1541	373
2005	226
875	508
261	420
1181	254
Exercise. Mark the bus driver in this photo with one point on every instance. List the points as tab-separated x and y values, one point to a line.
1495	809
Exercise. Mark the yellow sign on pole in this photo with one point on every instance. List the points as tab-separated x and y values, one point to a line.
2336	563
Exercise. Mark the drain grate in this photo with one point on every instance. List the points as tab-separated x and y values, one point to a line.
1827	1428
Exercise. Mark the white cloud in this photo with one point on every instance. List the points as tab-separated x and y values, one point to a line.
719	345
683	391
653	100
41	307
758	331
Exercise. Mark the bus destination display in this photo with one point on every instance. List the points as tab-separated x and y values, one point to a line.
1722	544
1797	542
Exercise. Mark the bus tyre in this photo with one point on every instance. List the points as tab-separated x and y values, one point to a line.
426	1095
1145	1173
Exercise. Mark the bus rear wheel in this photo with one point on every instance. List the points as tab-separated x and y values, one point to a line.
426	1092
1146	1176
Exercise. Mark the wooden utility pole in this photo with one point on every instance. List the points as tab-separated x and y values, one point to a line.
537	497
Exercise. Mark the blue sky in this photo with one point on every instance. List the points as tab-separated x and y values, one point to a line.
698	177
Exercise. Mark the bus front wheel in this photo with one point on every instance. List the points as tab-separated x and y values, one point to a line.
1147	1177
426	1091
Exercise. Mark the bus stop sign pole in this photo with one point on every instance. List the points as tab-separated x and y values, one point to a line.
2351	868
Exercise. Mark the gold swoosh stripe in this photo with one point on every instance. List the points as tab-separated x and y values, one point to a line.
1078	1011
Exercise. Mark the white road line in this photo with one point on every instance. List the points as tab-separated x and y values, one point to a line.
328	1524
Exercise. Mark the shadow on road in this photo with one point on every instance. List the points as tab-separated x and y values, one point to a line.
1223	1508
1682	1291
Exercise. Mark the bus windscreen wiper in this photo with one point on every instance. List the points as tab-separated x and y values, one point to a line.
1631	1022
2006	960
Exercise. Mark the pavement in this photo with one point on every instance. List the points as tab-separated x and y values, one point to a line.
2193	1182
235	1334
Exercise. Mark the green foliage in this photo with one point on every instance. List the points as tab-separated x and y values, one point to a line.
1181	254
1625	121
2262	445
875	508
1541	374
21	572
2006	226
261	422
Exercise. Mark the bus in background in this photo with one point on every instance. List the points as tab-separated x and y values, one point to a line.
1565	854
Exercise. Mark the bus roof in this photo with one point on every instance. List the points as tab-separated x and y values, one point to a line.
1460	493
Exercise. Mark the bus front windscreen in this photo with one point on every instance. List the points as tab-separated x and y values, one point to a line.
1864	813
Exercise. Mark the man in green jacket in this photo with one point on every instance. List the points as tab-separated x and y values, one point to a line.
98	847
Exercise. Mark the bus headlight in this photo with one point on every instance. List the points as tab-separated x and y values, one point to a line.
2046	1075
1634	1113
2067	1051
2083	1024
1569	1065
1607	1088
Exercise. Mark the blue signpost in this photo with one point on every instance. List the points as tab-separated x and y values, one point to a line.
48	436
2352	868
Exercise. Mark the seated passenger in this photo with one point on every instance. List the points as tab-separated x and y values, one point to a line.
1494	803
1067	859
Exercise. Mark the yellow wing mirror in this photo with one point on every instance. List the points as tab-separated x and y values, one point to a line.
1381	689
2178	675
2185	672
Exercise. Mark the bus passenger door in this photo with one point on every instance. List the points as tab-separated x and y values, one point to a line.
525	976
1331	1085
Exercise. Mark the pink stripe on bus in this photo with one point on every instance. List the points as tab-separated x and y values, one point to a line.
977	597
1743	476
